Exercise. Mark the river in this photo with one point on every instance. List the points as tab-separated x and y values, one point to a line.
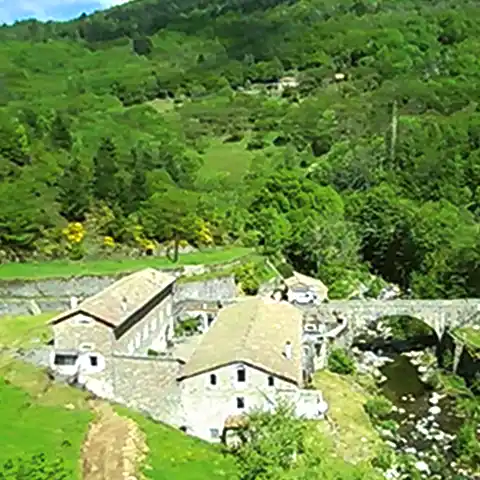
427	420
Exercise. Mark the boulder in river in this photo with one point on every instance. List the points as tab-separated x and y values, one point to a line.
435	410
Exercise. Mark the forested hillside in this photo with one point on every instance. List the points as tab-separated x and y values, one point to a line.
155	121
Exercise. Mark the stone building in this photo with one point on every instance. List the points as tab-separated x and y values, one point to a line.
304	289
250	358
129	316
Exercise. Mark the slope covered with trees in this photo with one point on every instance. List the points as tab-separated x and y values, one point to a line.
154	122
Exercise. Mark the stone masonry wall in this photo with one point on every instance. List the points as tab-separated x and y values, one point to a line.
20	297
221	288
148	384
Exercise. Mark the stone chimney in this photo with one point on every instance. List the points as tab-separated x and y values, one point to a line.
73	302
287	351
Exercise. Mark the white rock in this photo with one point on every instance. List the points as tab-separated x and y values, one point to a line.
422	466
434	410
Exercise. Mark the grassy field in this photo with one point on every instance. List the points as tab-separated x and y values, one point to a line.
55	269
40	417
174	455
353	436
231	159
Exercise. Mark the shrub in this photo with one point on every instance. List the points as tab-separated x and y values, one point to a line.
378	408
37	467
248	277
389	425
340	362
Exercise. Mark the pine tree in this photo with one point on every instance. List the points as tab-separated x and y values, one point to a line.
74	191
60	133
138	187
105	165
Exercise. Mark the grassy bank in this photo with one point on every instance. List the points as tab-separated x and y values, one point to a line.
469	335
25	330
40	417
174	455
59	269
349	427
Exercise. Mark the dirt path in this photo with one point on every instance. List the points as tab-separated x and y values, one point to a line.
114	446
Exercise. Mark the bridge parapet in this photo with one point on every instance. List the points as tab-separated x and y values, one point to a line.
438	314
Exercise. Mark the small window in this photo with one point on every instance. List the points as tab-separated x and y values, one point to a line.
271	381
83	320
213	379
214	433
240	403
85	347
93	360
65	360
241	375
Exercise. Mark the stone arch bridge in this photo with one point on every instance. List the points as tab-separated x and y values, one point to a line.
440	315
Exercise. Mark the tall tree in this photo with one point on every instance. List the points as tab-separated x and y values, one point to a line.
170	215
138	187
142	45
14	142
74	193
105	164
60	133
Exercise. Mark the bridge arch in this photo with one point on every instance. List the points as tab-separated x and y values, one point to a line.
397	332
440	315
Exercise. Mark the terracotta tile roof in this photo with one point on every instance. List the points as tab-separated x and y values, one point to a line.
298	279
119	301
254	332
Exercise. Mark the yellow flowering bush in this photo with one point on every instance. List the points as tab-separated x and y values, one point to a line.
108	242
74	232
141	240
203	232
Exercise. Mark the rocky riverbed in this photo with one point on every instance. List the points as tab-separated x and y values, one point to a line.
425	423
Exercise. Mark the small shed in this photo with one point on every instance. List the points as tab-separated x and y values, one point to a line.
299	282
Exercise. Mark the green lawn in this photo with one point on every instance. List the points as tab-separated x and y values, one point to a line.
174	455
54	269
25	330
35	419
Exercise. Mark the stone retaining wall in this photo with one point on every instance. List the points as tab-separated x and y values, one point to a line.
25	297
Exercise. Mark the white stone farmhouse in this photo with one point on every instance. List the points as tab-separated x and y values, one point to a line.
250	357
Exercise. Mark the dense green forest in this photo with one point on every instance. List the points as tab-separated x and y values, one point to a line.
156	122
